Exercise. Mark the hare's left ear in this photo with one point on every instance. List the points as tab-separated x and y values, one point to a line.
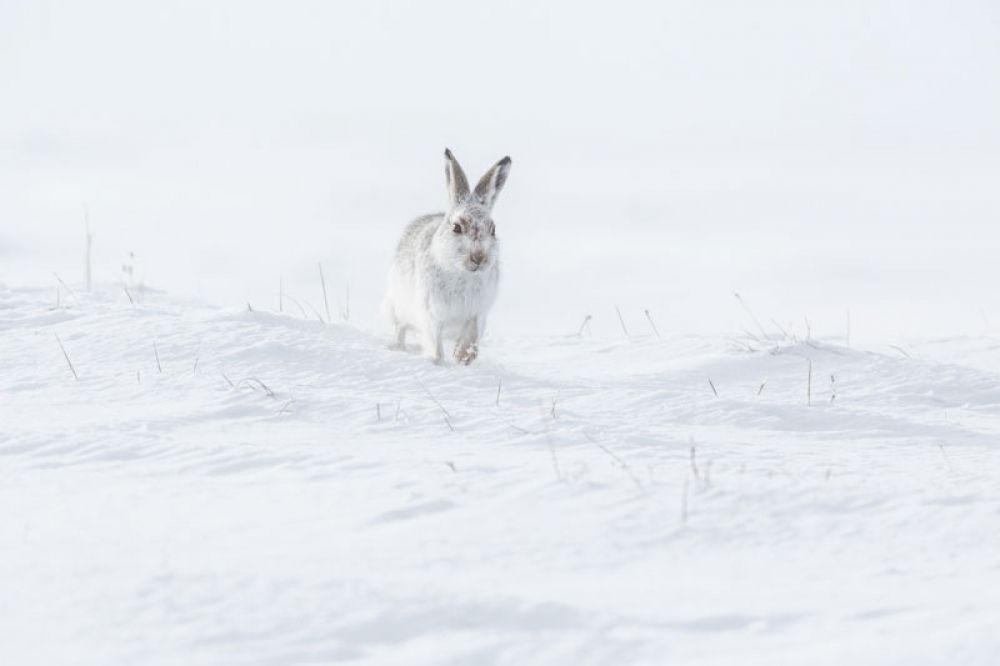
492	182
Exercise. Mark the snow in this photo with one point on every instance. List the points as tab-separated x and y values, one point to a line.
230	481
609	508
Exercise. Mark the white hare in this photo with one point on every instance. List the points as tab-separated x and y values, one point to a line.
443	279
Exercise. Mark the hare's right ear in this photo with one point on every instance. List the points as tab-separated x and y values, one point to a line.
458	186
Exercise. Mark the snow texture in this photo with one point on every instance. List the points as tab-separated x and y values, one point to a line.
224	486
194	470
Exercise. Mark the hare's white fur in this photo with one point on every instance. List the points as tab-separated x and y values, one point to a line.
444	277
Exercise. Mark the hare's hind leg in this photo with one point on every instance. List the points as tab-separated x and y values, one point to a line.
398	336
398	330
467	345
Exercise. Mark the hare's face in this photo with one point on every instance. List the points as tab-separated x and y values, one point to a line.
468	237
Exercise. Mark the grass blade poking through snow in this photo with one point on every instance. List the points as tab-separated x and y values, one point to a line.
249	381
66	356
652	323
68	288
617	460
447	416
622	320
809	384
326	301
756	321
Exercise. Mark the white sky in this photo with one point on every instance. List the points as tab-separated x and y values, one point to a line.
813	156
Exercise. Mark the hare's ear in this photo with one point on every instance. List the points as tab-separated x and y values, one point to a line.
458	186
492	182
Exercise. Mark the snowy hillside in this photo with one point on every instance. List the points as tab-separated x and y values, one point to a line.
198	471
224	486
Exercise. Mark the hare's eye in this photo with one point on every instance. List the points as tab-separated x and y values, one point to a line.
493	229
457	228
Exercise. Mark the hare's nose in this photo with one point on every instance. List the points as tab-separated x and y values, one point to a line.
478	257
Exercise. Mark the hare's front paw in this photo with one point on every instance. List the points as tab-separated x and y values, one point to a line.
466	354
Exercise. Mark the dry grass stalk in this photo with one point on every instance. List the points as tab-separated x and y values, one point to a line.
809	383
756	321
326	302
621	463
652	323
68	288
66	356
447	416
622	320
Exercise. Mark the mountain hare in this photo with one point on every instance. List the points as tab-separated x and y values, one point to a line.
444	276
